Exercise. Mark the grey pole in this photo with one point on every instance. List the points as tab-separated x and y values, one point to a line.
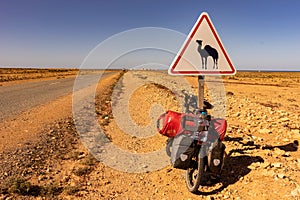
201	92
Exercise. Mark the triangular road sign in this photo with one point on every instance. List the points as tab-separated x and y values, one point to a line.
202	52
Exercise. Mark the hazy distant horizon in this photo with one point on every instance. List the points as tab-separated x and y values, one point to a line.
120	68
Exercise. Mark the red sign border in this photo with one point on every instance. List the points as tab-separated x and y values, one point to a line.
178	57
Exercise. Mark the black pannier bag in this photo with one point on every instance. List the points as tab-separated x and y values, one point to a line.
182	151
179	128
215	158
216	132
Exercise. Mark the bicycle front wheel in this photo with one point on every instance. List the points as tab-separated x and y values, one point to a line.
195	173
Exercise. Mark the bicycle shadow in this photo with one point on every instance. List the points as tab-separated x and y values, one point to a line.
237	166
191	102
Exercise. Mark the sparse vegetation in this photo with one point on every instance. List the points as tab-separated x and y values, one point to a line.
89	160
103	105
20	186
270	104
81	171
51	190
14	74
75	155
71	190
17	185
232	78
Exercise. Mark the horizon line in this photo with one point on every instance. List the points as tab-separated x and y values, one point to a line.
120	68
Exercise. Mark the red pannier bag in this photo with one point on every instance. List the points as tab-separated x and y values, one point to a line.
173	123
219	125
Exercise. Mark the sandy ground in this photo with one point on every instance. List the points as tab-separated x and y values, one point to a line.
263	160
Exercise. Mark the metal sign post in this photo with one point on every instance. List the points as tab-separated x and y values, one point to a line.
201	92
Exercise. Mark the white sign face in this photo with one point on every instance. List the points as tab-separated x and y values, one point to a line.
202	52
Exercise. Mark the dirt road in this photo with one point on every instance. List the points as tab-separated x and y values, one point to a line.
17	98
262	110
28	105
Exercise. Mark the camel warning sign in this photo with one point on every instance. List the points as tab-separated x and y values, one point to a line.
202	53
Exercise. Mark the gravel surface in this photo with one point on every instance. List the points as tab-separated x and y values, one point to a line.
263	160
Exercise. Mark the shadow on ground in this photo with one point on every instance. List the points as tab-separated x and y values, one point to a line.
236	167
293	146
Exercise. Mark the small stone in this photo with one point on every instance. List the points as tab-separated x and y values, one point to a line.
254	166
81	156
279	151
281	176
254	137
169	170
144	166
285	140
229	93
40	178
277	165
287	154
265	165
264	131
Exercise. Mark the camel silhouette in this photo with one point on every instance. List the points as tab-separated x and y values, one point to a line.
207	51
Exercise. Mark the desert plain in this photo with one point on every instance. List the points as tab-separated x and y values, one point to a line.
43	156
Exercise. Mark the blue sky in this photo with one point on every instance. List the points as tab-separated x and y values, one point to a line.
257	34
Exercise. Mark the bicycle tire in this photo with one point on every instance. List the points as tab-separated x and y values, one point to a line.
193	180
